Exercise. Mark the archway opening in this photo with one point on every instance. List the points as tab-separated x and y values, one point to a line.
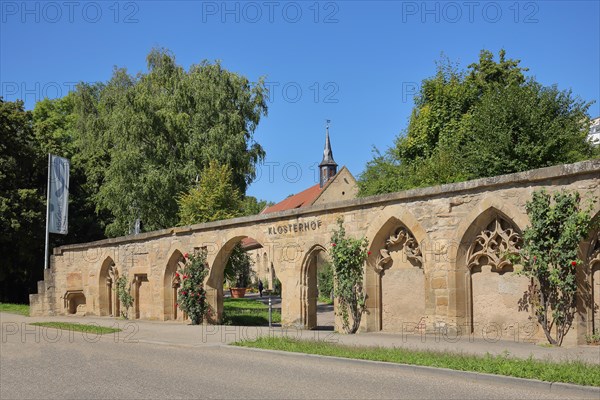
241	268
171	284
317	309
108	300
593	268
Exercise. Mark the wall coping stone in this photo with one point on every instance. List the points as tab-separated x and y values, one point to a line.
446	190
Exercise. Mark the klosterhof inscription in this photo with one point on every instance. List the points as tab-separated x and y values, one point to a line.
297	227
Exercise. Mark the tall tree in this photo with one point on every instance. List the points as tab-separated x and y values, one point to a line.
488	120
54	126
153	134
214	198
22	210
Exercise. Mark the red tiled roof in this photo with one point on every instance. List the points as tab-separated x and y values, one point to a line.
302	199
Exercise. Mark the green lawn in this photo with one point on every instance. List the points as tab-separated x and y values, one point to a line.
247	312
95	329
571	372
22	309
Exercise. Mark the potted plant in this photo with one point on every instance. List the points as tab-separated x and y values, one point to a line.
238	272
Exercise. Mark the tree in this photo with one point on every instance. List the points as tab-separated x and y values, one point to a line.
486	121
214	198
549	258
348	258
54	125
532	127
22	203
148	137
252	206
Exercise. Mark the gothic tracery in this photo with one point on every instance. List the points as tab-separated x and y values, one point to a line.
493	245
403	237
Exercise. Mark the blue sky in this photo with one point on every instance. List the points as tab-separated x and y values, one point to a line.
356	63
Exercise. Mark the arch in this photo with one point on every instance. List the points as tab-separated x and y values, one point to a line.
487	295
171	284
588	285
395	239
214	282
476	219
266	270
593	262
108	299
308	286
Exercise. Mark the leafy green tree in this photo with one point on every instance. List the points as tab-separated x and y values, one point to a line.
549	257
22	203
214	198
54	125
486	121
532	127
252	206
348	256
147	137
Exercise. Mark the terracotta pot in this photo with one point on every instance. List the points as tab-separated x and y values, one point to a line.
237	293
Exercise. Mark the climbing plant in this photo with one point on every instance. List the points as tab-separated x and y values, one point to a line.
124	294
348	257
191	298
549	258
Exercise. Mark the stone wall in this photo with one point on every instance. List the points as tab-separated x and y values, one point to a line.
431	266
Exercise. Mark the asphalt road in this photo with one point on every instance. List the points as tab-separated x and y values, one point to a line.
49	364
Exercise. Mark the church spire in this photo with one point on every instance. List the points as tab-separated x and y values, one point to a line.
328	166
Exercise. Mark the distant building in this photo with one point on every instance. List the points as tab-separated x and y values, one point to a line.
594	135
333	186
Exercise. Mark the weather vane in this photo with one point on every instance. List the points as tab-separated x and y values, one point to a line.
327	121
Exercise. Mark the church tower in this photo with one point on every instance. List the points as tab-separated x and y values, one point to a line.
328	166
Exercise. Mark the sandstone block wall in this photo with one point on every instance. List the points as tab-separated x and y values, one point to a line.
433	265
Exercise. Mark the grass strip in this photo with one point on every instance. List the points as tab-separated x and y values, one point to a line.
95	329
247	312
21	309
576	372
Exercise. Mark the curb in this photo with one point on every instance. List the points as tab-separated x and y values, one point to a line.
479	377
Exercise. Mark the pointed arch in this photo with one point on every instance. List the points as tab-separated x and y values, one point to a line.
396	240
214	282
108	303
171	284
308	286
486	296
588	285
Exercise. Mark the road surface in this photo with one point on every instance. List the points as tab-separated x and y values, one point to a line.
46	363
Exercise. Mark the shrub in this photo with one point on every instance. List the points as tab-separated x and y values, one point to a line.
191	298
348	257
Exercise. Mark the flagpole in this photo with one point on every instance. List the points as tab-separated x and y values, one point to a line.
47	214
